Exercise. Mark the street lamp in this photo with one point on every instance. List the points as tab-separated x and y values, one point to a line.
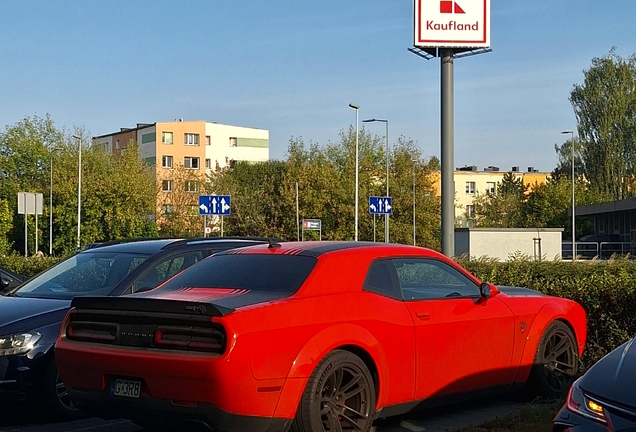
573	217
51	203
356	107
386	216
79	189
413	161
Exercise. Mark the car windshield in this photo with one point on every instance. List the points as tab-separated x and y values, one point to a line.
252	272
87	273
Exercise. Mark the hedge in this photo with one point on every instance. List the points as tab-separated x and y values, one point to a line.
605	289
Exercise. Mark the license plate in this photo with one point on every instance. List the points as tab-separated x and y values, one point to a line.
126	388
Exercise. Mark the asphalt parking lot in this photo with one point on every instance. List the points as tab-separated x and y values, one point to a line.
439	420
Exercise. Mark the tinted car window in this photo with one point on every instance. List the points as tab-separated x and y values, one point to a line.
432	279
88	273
380	279
252	272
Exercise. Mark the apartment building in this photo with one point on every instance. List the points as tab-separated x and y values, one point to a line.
469	181
197	146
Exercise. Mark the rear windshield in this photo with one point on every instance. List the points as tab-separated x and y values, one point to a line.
253	272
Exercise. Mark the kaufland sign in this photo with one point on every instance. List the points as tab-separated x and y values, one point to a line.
452	23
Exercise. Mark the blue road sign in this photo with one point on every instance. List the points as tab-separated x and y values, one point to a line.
218	205
380	205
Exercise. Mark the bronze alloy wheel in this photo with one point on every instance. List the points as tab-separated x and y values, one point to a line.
556	362
340	396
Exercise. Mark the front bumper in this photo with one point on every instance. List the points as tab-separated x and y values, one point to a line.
20	375
147	410
567	421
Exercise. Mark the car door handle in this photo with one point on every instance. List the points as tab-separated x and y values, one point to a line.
423	315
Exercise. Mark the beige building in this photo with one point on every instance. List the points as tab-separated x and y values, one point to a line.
197	146
469	182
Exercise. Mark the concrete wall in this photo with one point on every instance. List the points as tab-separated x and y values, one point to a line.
501	243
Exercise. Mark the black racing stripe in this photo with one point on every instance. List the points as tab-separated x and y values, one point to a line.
250	298
519	291
326	247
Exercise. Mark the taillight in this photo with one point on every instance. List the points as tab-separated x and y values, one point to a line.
92	331
189	338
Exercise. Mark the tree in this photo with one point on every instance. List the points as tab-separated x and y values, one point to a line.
503	209
605	108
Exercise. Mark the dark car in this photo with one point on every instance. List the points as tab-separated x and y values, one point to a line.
603	399
31	315
9	280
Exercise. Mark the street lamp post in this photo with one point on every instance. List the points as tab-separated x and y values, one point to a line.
51	204
79	189
573	206
386	216
356	107
413	161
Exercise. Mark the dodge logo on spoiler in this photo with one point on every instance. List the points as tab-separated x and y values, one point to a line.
196	308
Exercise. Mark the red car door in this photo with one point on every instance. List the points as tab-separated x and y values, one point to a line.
463	342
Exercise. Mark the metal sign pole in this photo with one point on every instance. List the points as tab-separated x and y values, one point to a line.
205	225
447	159
26	252
221	226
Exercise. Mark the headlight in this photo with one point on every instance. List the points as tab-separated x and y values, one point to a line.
18	343
579	403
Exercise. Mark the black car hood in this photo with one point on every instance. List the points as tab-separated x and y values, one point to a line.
612	378
22	314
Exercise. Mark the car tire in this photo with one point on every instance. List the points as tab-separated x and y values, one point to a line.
340	395
59	405
556	363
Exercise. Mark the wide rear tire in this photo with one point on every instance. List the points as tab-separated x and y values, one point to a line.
340	396
556	363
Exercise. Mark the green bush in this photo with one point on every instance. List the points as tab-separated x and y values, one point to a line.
605	289
28	266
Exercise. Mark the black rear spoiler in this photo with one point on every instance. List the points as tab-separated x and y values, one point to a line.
154	305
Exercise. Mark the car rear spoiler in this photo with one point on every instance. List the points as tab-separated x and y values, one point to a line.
154	305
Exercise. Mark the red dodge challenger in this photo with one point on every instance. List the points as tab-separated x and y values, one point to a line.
313	337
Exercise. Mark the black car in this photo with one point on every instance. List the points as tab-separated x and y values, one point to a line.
9	280
604	398
31	314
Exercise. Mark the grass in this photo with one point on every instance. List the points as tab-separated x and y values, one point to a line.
536	417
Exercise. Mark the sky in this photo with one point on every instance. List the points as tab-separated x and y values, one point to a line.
293	67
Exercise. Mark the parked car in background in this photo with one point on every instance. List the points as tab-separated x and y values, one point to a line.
31	315
604	398
313	336
9	280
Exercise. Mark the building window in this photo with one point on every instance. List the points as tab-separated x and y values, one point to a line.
166	161
191	139
166	137
167	209
166	185
208	163
470	188
191	162
470	211
192	186
233	142
490	188
207	140
117	145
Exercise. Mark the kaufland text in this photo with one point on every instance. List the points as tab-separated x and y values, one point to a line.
452	25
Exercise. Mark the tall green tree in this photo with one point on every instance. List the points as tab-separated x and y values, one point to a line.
605	108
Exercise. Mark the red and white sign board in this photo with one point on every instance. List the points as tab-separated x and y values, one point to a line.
452	23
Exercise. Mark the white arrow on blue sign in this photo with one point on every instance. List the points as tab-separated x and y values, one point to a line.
380	205
214	205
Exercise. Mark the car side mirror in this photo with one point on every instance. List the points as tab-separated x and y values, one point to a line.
487	290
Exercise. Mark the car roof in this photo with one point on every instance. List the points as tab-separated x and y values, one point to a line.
317	248
154	246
